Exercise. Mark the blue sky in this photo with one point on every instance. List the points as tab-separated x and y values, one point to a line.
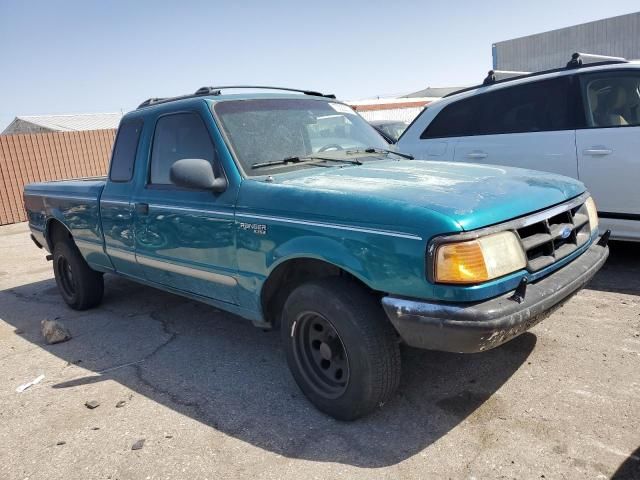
104	56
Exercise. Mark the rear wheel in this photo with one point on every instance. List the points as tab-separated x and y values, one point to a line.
340	347
80	286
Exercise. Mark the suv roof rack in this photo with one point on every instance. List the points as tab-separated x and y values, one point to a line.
217	91
492	76
578	60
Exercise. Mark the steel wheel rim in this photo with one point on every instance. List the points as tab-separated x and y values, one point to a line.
66	277
320	355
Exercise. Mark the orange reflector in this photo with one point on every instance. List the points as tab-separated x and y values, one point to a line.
461	263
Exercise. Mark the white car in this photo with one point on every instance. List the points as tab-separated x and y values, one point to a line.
581	122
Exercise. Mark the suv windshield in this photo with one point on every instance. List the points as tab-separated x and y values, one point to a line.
270	130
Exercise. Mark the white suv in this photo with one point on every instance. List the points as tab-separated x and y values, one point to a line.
580	122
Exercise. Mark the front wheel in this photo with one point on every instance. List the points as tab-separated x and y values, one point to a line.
340	347
80	286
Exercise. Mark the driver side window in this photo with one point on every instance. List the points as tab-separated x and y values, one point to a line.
178	136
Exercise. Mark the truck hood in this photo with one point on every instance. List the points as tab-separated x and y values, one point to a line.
472	195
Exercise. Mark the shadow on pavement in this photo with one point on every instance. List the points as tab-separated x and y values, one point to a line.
225	373
630	468
621	273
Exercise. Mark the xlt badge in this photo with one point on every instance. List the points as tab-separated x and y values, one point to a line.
257	228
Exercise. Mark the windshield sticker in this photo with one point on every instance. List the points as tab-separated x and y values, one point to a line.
341	108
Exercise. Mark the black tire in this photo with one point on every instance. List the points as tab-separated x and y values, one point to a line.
80	286
351	375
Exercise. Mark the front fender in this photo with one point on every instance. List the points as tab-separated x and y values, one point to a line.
319	248
258	259
383	263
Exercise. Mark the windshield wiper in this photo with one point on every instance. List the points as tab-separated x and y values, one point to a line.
305	159
384	150
284	161
342	160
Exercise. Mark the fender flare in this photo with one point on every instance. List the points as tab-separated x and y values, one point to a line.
56	216
325	249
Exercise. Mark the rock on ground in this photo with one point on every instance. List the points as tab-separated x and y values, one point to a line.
138	445
54	331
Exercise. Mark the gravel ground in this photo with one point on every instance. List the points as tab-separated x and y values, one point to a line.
212	398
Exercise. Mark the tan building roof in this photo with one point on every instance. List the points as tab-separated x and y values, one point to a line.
63	123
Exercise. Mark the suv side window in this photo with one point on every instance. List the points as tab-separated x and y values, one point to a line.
124	150
455	120
540	106
612	99
178	136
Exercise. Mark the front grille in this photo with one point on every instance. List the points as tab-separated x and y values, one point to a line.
548	240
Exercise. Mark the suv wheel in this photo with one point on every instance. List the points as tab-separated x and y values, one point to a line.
80	286
340	347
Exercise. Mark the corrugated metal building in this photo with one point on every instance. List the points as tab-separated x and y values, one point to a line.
615	36
42	157
63	123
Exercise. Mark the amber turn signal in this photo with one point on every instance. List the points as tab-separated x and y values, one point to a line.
479	260
461	263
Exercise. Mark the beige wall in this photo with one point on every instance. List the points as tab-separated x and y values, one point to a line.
39	157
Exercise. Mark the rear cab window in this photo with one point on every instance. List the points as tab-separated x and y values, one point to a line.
124	150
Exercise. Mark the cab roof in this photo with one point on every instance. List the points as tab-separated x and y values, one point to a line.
216	94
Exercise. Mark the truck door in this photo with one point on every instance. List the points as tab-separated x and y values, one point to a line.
609	148
185	238
115	202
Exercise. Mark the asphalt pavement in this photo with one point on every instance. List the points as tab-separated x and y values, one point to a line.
211	397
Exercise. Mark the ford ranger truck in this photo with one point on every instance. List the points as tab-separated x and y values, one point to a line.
289	210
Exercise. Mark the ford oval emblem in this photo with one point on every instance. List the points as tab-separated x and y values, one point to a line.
566	231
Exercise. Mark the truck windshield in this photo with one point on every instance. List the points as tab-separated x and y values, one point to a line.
266	131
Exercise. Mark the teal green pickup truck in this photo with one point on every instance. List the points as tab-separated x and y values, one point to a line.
289	210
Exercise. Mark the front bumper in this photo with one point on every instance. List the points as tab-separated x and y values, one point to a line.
479	326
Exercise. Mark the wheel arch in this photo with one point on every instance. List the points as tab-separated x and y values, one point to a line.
294	270
56	230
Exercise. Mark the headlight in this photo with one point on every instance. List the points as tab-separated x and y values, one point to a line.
592	211
479	260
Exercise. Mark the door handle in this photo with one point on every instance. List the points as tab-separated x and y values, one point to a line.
142	208
598	151
477	155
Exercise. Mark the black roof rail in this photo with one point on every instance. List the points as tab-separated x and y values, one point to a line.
493	76
263	87
579	59
217	90
151	101
207	91
575	62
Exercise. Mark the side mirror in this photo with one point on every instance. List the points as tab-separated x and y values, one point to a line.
196	173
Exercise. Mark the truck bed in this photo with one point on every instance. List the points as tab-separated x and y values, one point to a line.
75	203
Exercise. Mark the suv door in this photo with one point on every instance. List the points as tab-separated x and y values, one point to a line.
185	238
531	125
609	148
